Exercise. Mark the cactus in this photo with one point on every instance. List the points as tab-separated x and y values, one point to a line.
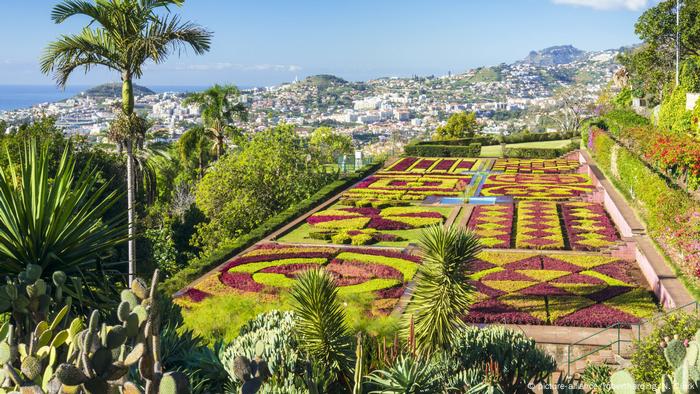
29	298
684	359
100	362
253	373
30	366
359	365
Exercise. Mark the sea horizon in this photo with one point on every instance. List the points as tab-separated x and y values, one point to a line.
20	96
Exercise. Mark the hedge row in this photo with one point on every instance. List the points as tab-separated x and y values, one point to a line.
471	150
620	119
540	153
508	139
199	266
663	206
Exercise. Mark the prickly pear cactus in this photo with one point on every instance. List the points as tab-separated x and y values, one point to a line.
29	298
32	364
683	356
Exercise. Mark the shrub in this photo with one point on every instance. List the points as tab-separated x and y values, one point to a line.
673	116
620	119
539	153
440	150
648	361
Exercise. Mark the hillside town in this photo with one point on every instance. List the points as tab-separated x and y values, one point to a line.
380	114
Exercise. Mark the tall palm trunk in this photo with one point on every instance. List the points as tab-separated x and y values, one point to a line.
128	108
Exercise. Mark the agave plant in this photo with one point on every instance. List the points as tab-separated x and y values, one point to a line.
56	223
443	292
408	375
320	323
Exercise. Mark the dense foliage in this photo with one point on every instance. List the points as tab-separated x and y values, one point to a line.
271	172
459	125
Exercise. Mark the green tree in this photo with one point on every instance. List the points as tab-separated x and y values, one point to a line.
443	293
193	149
123	35
219	106
459	125
330	145
244	188
55	222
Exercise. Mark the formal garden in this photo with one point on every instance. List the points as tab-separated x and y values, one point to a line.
232	261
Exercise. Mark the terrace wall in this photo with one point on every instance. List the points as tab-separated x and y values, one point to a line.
661	278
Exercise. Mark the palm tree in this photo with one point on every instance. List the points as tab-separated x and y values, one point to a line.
56	223
123	35
442	293
195	143
219	106
320	322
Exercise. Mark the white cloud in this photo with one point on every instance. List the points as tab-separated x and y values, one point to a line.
632	5
239	67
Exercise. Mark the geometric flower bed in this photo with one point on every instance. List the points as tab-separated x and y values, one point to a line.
381	187
537	186
431	165
272	268
493	224
535	166
588	226
362	226
538	226
583	290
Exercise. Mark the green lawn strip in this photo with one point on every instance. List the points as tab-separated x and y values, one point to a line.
301	235
369	286
255	267
495	150
273	280
407	268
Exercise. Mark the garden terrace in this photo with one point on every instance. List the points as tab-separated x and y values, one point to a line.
271	268
553	254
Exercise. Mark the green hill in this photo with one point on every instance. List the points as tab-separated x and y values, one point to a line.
115	90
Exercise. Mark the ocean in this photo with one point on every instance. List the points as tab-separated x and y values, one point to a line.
24	96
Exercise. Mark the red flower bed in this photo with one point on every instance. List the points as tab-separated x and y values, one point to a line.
403	164
444	165
597	315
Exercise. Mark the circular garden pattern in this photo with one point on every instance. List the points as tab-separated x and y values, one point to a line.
270	269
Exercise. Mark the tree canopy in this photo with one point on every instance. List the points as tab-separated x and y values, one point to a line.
329	145
459	125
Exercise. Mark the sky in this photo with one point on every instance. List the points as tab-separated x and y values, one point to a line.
267	42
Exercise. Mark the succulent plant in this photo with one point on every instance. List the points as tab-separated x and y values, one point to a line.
253	373
31	364
682	356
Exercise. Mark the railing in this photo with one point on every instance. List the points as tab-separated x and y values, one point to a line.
621	335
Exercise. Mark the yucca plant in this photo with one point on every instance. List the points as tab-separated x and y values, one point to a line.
320	323
443	293
57	223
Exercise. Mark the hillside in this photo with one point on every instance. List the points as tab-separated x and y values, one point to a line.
563	54
115	90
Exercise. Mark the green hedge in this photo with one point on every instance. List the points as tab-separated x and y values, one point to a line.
540	153
471	150
201	265
537	137
483	140
657	200
620	119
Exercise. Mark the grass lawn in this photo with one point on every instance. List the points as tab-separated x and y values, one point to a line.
495	150
301	233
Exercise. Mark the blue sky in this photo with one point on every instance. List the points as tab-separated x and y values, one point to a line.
266	42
